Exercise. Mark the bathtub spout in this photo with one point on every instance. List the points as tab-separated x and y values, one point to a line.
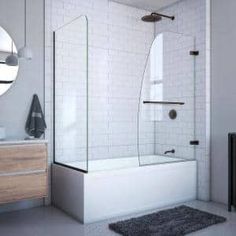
170	151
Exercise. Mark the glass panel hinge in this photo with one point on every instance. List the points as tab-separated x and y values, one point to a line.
194	142
194	53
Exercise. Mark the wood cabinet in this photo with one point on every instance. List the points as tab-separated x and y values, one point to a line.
23	171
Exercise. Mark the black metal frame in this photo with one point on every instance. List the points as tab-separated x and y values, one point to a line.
54	114
231	171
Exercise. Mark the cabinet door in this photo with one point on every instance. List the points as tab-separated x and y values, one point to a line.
20	158
19	187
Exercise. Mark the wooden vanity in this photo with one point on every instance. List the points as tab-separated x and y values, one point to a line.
23	170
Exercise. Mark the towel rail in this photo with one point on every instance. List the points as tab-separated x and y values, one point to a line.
6	81
163	103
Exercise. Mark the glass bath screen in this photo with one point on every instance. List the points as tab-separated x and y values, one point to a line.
167	100
70	94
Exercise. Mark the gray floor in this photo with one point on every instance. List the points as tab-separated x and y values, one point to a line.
49	221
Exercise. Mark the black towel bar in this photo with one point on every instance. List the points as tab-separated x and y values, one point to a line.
163	102
6	81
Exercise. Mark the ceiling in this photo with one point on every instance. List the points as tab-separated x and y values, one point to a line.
150	5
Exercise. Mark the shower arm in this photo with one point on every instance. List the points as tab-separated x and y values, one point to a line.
158	14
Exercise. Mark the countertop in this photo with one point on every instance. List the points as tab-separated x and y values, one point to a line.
22	141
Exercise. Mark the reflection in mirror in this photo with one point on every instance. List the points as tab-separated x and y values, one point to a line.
156	76
152	85
8	73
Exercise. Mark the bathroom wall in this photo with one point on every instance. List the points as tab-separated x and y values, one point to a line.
15	103
223	98
118	46
192	18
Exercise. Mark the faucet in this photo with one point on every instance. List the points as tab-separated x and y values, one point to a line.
170	151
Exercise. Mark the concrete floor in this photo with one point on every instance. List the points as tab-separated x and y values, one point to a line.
49	221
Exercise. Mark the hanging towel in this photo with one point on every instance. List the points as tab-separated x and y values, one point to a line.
35	124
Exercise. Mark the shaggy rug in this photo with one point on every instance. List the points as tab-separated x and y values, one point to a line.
178	221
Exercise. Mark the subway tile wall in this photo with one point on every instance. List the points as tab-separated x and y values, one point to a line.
172	79
119	43
193	18
178	86
118	46
71	91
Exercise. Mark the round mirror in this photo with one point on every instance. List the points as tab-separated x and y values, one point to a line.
8	61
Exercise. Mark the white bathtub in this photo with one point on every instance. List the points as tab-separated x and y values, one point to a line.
122	163
122	188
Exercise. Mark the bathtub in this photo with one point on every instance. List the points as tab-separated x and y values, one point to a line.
117	187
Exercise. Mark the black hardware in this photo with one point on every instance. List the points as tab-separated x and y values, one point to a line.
231	170
194	142
163	102
161	15
6	81
2	62
194	53
170	151
154	17
172	114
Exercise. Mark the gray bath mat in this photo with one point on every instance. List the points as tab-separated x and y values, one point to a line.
178	221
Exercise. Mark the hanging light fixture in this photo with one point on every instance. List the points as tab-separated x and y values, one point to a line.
12	59
25	52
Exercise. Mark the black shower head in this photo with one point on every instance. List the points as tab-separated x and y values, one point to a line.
154	17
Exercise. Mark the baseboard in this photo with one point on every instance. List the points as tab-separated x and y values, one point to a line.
22	205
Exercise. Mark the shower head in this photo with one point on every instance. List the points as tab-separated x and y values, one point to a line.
155	17
151	18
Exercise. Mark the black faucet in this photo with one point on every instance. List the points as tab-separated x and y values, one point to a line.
170	151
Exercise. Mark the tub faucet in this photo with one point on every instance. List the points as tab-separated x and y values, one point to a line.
170	151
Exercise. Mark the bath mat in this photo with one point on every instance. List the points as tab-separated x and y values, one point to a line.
178	221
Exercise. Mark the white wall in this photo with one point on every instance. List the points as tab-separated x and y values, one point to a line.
223	114
191	18
14	105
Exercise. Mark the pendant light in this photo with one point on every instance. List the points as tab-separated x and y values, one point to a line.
25	52
12	59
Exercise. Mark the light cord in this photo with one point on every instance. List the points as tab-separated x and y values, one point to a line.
25	23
